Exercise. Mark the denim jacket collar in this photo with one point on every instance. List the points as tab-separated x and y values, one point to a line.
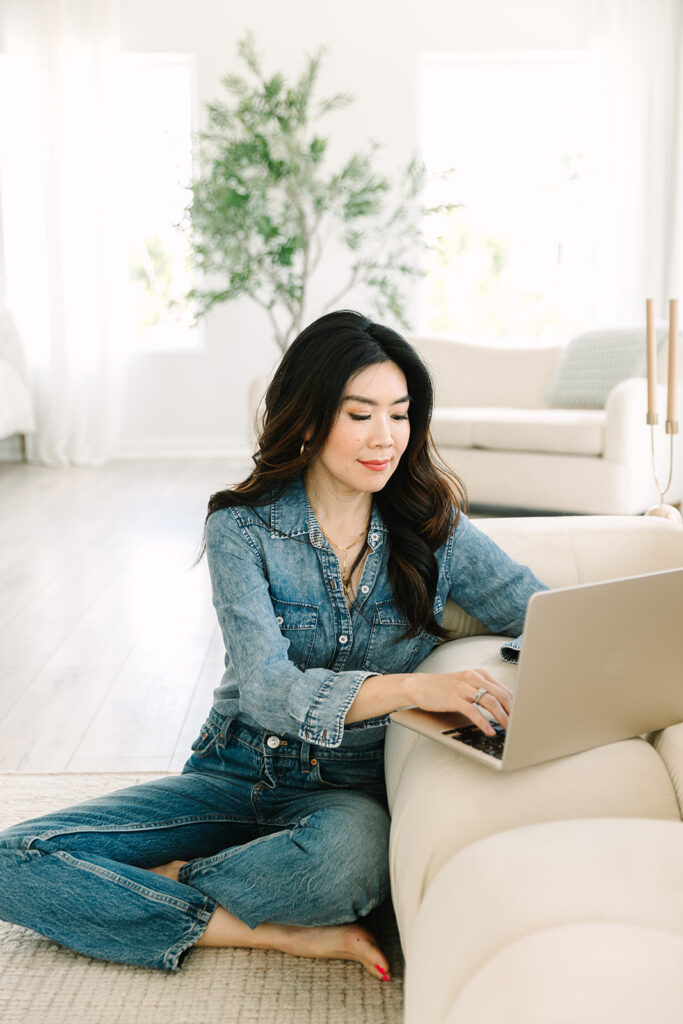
291	515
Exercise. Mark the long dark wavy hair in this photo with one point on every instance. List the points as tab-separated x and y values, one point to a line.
420	502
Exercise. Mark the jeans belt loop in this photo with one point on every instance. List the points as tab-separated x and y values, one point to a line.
305	756
225	729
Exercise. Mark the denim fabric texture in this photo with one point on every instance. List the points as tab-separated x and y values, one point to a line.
281	808
296	656
284	832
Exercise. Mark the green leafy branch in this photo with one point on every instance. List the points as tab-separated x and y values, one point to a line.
265	208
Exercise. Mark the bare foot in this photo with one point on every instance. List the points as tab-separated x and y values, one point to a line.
169	870
333	942
336	942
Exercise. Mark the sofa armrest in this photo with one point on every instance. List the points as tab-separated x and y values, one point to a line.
467	374
669	745
627	437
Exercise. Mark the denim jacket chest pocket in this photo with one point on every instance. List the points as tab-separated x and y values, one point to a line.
386	651
298	623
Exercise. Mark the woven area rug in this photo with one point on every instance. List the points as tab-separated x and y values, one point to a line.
43	983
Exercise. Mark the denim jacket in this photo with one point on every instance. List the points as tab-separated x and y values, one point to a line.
296	656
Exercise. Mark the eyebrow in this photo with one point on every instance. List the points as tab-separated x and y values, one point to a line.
370	401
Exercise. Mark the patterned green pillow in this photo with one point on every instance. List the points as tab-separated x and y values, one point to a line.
593	363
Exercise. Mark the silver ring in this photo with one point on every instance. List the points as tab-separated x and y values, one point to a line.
479	694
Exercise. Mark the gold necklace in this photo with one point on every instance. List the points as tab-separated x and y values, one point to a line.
346	583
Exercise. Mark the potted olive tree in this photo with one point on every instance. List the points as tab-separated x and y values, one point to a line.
266	205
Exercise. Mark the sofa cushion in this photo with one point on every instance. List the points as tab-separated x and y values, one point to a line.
568	921
563	431
624	779
594	362
454	428
446	801
589	972
566	431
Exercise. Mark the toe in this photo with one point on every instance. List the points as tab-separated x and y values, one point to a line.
375	961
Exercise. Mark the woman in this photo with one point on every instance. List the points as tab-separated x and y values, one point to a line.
330	566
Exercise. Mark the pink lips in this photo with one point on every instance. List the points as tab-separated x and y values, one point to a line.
376	466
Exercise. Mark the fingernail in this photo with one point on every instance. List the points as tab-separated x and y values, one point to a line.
382	972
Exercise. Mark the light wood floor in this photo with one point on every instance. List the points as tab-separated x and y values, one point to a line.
109	647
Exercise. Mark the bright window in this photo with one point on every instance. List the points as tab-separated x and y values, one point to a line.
154	124
508	137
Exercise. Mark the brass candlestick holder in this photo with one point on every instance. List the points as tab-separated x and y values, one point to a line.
671	424
663	510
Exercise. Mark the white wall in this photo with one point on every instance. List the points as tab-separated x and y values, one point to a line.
197	403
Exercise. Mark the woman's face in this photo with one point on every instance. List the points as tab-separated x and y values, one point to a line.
370	433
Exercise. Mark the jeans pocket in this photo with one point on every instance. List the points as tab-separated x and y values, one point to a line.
363	773
212	735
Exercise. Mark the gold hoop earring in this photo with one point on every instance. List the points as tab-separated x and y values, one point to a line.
305	447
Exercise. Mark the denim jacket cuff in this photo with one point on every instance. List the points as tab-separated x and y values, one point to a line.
510	650
324	723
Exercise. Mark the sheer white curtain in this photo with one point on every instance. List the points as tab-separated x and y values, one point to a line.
60	251
675	278
639	220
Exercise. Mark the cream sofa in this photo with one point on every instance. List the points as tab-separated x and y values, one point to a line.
493	425
554	893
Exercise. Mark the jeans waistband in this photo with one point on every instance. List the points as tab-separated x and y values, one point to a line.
288	746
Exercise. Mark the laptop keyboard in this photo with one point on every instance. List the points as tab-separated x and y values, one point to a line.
474	737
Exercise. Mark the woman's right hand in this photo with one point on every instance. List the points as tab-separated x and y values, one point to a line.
456	691
434	691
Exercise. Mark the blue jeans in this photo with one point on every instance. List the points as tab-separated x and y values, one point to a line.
273	829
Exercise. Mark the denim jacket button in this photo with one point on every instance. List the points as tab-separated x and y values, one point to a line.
365	589
273	742
374	538
280	620
343	638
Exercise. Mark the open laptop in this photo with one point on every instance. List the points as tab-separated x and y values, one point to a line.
600	662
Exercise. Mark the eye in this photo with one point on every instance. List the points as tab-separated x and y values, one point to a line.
402	416
356	416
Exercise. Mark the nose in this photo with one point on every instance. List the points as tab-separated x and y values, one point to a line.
382	436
